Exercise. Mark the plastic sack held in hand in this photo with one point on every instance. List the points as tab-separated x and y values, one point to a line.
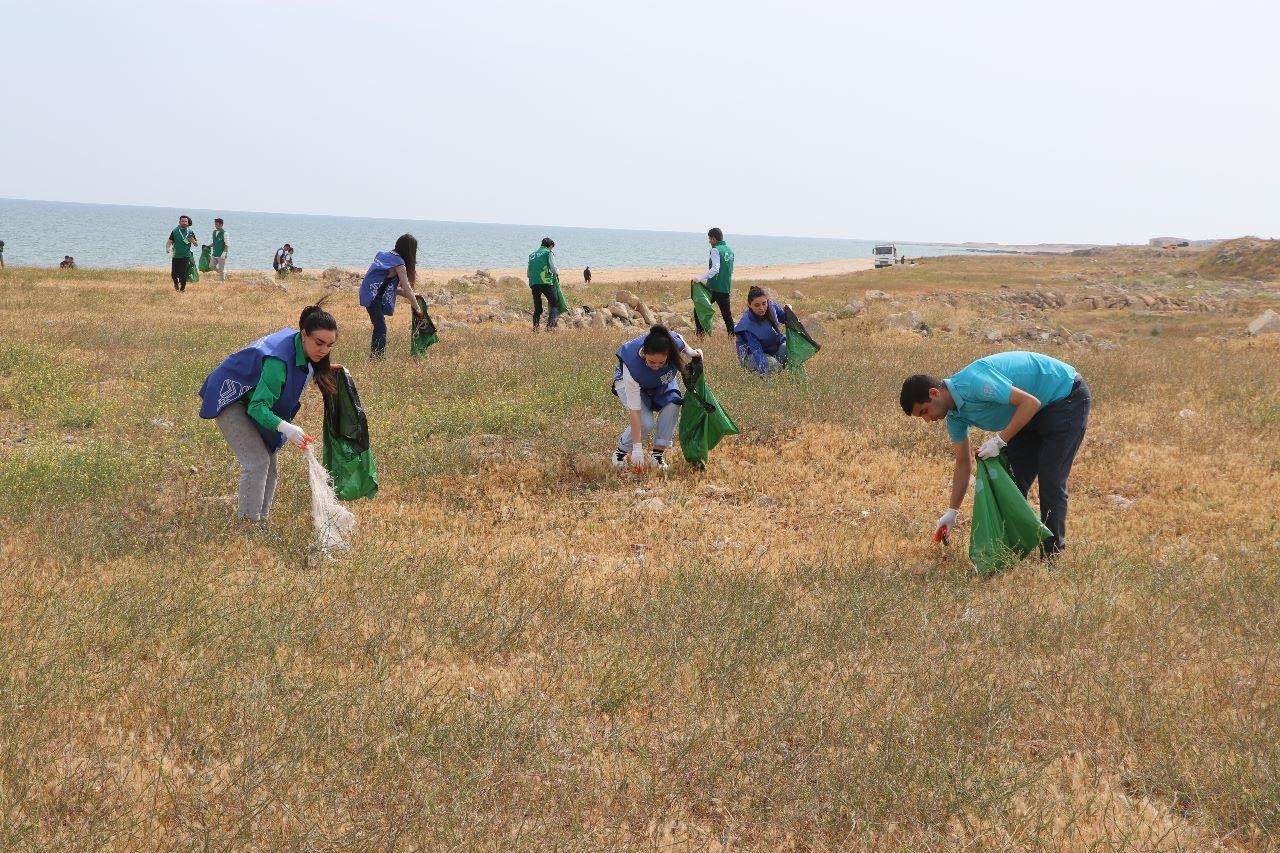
347	455
1005	527
800	345
703	422
422	334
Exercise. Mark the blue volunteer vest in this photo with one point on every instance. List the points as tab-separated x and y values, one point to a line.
375	281
657	387
236	377
762	329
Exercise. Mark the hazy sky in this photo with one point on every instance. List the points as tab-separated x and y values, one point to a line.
1083	121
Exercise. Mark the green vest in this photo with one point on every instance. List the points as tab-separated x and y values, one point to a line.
219	243
723	280
540	267
181	246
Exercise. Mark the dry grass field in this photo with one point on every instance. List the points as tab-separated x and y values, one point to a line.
516	654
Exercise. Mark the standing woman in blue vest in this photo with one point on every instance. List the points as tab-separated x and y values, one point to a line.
391	273
645	382
255	393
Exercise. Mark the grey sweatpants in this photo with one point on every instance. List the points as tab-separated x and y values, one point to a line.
663	433
257	464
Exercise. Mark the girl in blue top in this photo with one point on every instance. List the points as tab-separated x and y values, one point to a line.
255	393
644	381
761	335
390	273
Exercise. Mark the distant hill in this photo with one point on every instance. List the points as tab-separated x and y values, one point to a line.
1244	257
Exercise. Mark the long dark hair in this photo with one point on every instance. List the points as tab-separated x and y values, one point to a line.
407	249
660	341
755	293
315	317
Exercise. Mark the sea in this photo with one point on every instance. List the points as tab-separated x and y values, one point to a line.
39	233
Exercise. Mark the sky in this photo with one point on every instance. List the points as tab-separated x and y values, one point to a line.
985	121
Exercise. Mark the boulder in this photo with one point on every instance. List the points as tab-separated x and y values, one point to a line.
627	298
851	309
599	319
1268	322
904	320
619	310
877	296
645	314
823	315
813	325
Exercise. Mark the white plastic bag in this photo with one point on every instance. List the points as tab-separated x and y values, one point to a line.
333	521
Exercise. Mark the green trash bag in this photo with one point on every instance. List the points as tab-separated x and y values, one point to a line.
206	258
1005	527
703	421
347	455
422	334
702	306
800	346
193	270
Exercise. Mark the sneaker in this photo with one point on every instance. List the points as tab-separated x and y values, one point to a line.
619	458
659	463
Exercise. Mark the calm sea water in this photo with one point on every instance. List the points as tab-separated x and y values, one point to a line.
39	233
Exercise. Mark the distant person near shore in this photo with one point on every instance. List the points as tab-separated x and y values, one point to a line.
391	273
543	276
218	263
68	263
718	281
1	254
283	261
586	272
1040	406
181	240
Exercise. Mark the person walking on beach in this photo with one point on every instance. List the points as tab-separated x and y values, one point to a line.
1	254
644	381
718	281
586	272
761	335
543	277
220	245
1040	407
181	240
255	393
391	273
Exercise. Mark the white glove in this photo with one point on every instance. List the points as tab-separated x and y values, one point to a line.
694	353
637	456
991	448
295	434
945	524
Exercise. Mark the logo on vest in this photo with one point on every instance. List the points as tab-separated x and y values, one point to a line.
230	392
667	377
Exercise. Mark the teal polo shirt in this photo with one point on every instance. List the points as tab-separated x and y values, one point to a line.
982	389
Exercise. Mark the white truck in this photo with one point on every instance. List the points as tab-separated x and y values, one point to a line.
885	254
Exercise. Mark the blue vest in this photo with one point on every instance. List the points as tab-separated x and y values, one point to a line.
375	282
657	387
236	377
761	328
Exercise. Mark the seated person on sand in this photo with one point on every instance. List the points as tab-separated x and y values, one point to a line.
761	335
68	263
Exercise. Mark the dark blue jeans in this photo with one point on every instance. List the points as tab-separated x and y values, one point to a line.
1046	448
540	292
379	345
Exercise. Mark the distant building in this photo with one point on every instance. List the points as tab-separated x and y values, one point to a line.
1167	241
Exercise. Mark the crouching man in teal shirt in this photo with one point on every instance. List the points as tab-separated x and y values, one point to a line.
1038	408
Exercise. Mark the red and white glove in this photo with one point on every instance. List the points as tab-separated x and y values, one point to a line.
295	434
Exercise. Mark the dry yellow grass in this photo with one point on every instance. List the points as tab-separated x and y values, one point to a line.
515	655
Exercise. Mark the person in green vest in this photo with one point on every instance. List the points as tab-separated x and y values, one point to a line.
180	242
218	263
543	276
718	279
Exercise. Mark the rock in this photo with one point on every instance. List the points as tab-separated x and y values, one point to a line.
851	309
1119	501
994	336
619	310
680	323
813	325
821	316
795	294
1186	414
645	313
598	319
652	505
903	320
512	281
876	296
627	298
444	297
1268	322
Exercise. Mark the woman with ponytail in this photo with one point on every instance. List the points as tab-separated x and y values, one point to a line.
761	335
644	381
255	393
390	273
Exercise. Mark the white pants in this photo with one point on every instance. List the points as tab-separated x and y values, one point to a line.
218	264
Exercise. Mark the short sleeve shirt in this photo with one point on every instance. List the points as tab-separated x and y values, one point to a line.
181	246
981	391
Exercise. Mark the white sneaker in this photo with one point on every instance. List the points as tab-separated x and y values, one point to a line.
658	462
620	458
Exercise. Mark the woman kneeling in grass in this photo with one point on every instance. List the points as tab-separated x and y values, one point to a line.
761	336
645	382
255	393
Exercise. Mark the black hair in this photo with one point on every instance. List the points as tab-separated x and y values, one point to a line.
716	234
755	293
184	216
659	341
548	242
915	389
407	248
316	317
216	221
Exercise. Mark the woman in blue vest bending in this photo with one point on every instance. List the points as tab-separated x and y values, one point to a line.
761	335
390	273
255	393
645	382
